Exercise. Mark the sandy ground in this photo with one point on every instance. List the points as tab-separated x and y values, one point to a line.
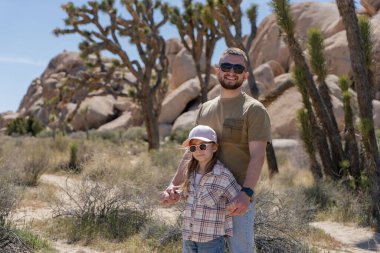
26	215
354	240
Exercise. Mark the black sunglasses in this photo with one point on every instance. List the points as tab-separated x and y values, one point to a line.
226	67
202	146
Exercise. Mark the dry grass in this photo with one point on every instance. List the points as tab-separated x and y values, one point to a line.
125	164
320	239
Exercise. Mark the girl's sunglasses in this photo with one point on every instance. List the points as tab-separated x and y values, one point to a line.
226	67
202	146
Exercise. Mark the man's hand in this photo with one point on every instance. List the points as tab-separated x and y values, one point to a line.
169	196
239	205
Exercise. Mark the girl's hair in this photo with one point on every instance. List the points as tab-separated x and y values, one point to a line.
192	167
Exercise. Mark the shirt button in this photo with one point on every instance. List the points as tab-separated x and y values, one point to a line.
191	225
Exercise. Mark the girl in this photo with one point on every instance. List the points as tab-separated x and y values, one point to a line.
207	189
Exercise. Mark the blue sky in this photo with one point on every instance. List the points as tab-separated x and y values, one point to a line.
27	43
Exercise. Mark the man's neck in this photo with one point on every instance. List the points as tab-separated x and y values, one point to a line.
224	93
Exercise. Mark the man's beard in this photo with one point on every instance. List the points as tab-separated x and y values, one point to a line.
234	86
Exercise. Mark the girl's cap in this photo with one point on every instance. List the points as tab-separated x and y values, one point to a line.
201	132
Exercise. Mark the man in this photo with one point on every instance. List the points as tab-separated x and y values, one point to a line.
243	127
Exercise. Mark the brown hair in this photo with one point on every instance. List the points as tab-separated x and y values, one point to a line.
235	51
192	168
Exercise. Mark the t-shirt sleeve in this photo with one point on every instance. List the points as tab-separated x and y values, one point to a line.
259	128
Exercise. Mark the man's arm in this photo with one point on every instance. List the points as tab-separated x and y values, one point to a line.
240	203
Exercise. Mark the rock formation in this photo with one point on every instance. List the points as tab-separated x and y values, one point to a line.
269	56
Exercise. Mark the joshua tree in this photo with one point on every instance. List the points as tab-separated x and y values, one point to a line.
142	30
351	146
362	78
198	31
286	24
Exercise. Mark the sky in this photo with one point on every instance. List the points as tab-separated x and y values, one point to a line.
27	43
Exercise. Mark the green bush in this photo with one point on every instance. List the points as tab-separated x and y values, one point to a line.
23	126
34	241
136	133
180	135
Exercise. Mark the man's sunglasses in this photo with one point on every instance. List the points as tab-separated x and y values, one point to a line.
226	67
202	146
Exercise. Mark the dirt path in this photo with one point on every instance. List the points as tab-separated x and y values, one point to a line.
26	215
356	240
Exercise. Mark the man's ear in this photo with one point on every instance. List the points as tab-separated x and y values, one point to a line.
217	70
246	74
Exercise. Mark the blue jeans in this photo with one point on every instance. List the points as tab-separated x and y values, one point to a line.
242	240
214	246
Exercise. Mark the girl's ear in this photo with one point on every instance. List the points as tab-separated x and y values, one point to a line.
215	147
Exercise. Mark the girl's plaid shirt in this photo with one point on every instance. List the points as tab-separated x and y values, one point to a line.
205	215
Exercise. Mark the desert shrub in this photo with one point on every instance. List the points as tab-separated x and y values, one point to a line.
73	162
36	163
8	198
117	136
11	242
99	210
281	222
180	135
60	144
22	126
321	194
26	161
136	133
167	157
334	200
79	153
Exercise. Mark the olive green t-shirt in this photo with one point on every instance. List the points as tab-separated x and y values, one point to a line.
236	121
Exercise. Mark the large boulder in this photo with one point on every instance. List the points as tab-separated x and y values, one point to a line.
173	47
124	121
164	130
276	67
371	6
337	54
264	78
268	43
283	114
94	112
185	121
67	62
33	93
183	68
175	103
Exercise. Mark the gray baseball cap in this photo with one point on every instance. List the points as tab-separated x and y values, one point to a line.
201	132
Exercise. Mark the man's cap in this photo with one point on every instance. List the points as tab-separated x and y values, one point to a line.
201	132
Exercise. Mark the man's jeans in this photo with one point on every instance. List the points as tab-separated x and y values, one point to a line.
242	240
214	246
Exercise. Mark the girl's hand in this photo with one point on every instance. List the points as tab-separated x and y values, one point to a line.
170	196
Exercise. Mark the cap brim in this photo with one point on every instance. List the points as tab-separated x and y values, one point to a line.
186	143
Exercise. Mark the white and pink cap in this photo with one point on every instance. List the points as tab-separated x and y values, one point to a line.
201	132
